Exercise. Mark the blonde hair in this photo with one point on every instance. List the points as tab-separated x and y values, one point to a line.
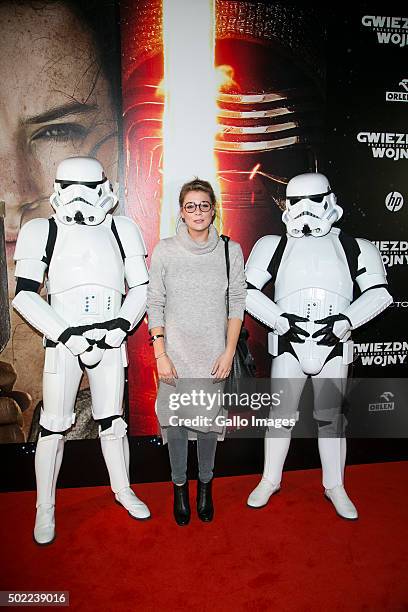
197	185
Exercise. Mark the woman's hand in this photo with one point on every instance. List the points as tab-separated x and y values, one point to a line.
222	366
166	370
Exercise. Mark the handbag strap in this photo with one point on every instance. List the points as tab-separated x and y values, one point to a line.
226	240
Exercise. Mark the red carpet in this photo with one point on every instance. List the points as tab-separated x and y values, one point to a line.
293	555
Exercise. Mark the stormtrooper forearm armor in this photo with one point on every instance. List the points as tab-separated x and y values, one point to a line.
136	274
372	281
39	314
134	305
262	308
367	306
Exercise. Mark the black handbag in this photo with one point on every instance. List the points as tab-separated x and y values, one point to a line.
243	365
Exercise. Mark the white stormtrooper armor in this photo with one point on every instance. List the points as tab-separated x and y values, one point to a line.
82	193
310	200
313	269
85	256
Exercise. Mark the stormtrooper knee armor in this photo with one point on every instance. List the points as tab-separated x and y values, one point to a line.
313	269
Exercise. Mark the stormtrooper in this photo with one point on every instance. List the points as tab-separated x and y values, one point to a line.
313	269
85	255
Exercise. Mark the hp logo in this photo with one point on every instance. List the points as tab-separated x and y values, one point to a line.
394	201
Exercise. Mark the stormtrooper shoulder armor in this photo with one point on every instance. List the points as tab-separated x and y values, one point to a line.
371	271
256	269
29	253
134	251
32	239
130	236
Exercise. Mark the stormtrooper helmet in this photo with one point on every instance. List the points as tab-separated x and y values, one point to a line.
82	193
311	207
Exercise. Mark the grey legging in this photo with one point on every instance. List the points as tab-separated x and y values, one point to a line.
177	439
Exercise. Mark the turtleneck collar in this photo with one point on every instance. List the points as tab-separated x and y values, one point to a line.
198	248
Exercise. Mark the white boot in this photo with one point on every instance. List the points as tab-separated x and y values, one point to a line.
135	507
115	452
48	458
126	453
333	457
261	494
343	453
342	503
44	528
276	450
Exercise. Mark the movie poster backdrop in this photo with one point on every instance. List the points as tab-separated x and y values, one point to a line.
297	89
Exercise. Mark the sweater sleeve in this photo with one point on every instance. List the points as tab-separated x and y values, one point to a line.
237	286
156	290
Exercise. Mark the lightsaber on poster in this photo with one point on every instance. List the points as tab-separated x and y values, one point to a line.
190	110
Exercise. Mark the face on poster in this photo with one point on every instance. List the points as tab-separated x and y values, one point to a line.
59	99
231	92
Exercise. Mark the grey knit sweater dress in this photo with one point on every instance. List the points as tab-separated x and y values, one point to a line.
187	296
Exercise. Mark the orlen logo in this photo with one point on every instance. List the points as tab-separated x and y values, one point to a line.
389	30
391	145
398	96
384	405
394	201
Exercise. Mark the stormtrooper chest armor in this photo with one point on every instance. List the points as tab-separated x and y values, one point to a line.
85	255
314	279
86	281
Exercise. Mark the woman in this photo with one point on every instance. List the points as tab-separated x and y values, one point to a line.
192	336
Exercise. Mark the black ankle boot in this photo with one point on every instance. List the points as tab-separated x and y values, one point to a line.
205	508
181	506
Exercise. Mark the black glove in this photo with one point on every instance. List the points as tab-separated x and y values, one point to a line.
294	333
335	328
109	326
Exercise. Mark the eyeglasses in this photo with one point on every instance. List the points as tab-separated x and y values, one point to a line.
191	207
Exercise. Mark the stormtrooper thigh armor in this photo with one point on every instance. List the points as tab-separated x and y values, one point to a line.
62	375
332	444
